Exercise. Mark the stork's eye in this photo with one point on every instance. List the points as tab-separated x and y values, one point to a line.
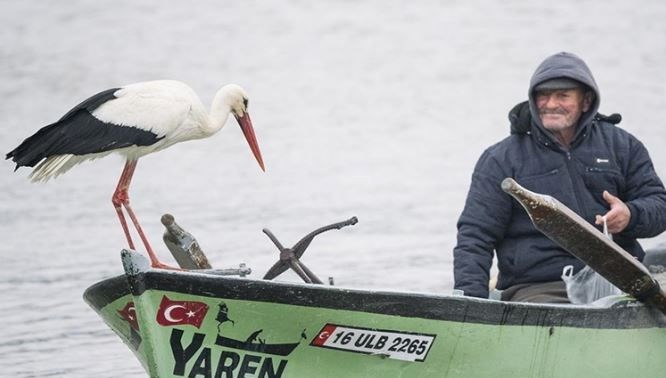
245	102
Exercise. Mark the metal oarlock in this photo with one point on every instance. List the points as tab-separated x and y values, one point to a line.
290	257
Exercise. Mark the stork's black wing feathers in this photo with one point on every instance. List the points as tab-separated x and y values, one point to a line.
78	132
92	102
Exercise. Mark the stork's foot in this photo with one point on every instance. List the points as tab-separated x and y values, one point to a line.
160	265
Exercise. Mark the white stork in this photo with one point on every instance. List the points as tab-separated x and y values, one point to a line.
133	120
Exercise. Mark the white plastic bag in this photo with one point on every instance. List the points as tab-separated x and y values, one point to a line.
586	286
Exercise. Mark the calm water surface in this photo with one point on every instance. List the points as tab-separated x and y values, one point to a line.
367	108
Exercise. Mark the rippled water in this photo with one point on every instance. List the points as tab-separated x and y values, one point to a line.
377	109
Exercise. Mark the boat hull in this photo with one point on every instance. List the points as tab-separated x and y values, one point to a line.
199	324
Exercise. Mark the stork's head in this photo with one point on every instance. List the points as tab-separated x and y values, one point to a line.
235	97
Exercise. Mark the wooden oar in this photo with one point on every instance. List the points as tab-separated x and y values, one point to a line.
584	241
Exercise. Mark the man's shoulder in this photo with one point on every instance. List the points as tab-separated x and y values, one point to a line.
504	153
508	144
610	130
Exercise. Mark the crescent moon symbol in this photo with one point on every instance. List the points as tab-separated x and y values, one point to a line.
131	313
169	317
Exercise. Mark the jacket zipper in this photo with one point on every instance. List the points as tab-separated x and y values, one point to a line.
574	181
599	170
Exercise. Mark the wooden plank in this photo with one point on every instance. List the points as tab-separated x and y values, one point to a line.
584	241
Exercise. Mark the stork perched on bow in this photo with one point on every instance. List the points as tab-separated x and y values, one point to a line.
134	120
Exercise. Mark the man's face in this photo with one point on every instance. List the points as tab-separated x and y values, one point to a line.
560	109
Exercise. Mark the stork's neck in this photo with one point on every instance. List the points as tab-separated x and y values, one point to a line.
219	112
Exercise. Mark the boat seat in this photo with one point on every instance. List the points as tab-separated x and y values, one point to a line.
655	259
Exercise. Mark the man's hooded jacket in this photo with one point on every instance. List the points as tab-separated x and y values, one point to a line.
601	157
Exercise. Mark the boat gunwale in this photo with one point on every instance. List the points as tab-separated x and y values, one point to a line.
622	314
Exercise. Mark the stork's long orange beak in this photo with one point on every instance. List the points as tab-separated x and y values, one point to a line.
246	126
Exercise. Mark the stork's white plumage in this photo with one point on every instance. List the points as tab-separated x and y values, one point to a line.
133	120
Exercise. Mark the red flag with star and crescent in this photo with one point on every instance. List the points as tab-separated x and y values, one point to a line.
323	335
181	312
128	313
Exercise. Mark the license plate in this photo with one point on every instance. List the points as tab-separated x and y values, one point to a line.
398	345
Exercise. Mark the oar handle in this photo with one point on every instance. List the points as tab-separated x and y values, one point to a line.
183	245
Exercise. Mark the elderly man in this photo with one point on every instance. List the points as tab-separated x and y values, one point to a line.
559	146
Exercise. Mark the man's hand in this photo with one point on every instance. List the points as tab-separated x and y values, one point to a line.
617	218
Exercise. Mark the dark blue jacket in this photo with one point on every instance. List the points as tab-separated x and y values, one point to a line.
601	157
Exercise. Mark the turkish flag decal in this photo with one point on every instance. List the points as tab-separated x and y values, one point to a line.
181	312
323	335
128	313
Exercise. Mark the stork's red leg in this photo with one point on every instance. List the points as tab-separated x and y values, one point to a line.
154	261
121	197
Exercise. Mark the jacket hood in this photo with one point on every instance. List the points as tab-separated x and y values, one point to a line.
564	65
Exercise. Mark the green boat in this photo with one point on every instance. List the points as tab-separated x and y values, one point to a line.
206	323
